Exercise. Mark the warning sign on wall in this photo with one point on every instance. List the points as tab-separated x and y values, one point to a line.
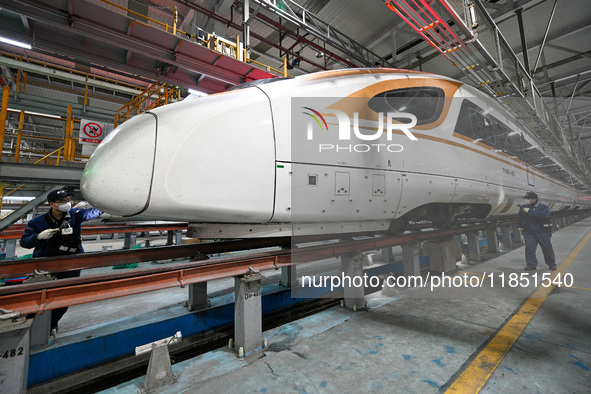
92	132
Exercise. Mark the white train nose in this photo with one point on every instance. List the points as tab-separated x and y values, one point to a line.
118	177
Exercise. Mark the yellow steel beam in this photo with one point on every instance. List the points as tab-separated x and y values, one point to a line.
18	80
3	110
21	122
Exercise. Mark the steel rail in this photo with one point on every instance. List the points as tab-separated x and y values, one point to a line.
12	268
32	299
16	233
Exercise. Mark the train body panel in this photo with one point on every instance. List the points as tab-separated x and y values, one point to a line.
251	163
106	183
204	154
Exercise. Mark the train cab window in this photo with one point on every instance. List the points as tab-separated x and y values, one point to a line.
426	103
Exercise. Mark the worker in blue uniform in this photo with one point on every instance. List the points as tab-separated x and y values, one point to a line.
58	233
536	227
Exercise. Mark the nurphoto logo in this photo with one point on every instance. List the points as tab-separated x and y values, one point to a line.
393	123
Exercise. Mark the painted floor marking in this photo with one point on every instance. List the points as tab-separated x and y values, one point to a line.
482	367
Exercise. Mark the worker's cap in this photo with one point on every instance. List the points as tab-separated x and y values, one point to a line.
531	195
58	195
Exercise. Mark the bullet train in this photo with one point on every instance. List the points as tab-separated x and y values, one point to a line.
341	151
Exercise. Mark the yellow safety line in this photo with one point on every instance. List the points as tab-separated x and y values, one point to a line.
580	288
479	371
471	273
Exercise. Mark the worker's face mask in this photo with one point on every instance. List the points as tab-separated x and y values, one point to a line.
65	207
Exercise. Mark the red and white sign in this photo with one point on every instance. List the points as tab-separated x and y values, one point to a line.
91	132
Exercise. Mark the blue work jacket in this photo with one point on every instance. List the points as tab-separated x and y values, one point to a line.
535	219
51	246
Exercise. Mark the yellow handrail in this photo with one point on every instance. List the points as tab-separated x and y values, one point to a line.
49	154
138	99
162	93
73	71
13	190
37	162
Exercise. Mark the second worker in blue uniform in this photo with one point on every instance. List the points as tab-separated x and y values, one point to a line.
536	227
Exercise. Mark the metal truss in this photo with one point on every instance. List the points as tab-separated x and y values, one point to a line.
474	44
307	21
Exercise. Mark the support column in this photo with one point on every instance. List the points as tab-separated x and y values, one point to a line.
443	255
387	255
4	113
197	296
517	237
289	276
473	246
493	242
170	237
506	233
352	266
14	343
410	259
248	327
10	248
129	240
40	329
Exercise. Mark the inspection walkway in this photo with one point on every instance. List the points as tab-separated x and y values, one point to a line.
458	339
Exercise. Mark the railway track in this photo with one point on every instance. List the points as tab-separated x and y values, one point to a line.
46	295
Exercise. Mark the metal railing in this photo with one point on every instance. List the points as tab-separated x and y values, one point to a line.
17	138
213	42
155	96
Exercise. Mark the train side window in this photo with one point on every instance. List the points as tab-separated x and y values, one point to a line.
475	123
426	103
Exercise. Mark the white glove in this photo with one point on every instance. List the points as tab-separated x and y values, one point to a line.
46	234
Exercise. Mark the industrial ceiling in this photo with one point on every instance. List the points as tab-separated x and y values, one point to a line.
111	50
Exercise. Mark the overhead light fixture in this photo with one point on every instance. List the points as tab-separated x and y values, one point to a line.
473	15
197	92
36	113
15	42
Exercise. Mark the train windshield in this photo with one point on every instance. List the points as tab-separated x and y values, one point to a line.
426	103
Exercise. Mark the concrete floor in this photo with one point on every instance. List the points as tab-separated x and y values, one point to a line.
419	340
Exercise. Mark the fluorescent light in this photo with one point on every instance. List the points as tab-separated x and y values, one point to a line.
35	113
15	42
197	92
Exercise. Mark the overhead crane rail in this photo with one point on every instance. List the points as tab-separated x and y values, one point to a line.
474	44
